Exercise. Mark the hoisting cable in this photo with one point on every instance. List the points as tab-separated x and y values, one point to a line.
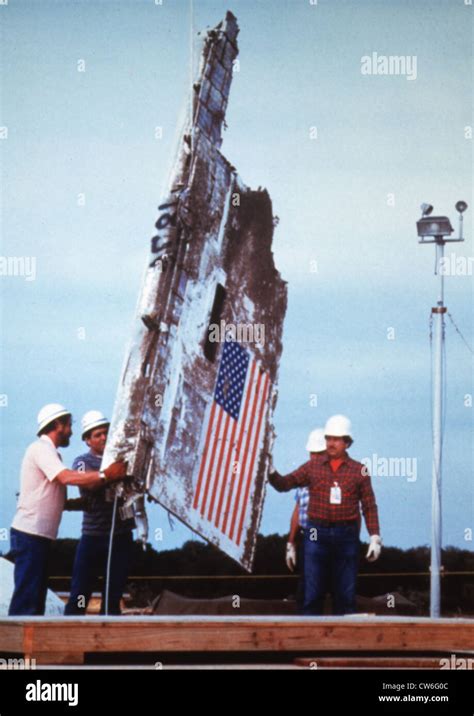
460	334
109	555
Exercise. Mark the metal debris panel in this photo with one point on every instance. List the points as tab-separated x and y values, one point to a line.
194	406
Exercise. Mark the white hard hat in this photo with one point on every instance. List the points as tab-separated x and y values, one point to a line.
50	412
93	419
338	426
316	441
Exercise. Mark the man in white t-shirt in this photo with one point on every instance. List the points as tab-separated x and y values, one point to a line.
40	505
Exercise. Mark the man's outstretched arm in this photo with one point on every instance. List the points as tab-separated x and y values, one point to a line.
283	483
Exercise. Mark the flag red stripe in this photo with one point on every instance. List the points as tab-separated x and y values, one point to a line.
219	464
204	455
252	461
211	462
242	472
239	444
227	478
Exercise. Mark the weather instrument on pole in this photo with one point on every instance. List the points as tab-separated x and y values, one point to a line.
434	230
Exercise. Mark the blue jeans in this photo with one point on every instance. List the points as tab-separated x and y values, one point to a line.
91	562
330	564
30	554
300	568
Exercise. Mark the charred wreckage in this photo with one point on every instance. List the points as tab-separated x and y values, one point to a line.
194	404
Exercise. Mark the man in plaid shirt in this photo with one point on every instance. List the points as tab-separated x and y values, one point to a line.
337	485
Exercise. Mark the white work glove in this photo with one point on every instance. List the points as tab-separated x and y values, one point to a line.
375	547
290	558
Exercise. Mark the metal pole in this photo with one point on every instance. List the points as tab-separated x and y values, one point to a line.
438	314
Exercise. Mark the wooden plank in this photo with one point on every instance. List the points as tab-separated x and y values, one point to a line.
63	657
365	662
28	636
241	634
11	637
273	636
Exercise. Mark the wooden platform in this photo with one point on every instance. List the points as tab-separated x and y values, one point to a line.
369	662
64	640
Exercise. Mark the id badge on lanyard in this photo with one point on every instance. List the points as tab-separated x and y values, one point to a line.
335	496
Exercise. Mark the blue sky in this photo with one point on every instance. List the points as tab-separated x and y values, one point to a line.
347	200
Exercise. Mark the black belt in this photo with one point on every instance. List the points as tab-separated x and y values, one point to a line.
328	523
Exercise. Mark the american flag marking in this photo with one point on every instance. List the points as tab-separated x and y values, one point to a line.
227	468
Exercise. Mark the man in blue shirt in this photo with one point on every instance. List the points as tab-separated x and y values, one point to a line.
316	445
92	551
